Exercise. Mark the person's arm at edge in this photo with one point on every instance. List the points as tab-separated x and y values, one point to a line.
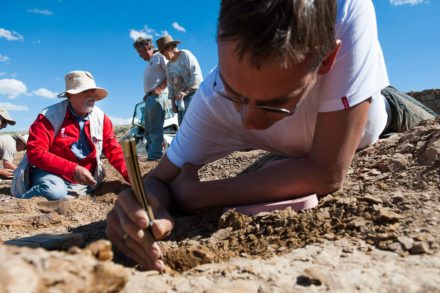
6	173
9	165
336	139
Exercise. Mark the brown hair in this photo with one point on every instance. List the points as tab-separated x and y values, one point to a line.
142	42
284	31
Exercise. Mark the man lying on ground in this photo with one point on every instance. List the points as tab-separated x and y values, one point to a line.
9	146
66	142
301	78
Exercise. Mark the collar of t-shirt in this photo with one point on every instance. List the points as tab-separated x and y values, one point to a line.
81	148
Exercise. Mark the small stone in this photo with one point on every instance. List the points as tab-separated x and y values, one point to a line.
419	248
372	199
375	172
101	250
395	246
406	242
282	248
386	215
357	222
322	215
397	197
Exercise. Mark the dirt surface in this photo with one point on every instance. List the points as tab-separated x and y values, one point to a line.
379	233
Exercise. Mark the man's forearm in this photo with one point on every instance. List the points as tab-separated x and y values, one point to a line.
158	193
9	165
289	179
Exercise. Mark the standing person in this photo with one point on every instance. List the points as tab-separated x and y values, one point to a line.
9	146
156	94
295	77
66	142
5	118
183	74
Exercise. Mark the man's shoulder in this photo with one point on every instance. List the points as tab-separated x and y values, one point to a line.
6	140
157	57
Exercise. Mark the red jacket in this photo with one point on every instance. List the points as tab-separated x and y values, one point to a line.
53	154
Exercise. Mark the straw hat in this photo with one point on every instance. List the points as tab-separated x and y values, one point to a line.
5	115
22	138
165	41
78	81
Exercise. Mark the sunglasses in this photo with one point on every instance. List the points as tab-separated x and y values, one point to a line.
240	100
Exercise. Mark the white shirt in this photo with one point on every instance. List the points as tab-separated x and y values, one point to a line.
212	127
183	73
155	72
8	147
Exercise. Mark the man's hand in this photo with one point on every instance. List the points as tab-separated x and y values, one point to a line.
7	173
173	105
83	176
181	95
127	228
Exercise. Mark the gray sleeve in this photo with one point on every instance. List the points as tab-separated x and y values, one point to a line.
9	152
193	66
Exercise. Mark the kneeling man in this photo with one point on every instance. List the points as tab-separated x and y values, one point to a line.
66	142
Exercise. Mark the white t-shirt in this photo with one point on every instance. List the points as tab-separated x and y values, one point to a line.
155	72
183	73
212	127
8	147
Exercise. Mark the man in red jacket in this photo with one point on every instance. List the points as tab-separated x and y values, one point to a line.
66	142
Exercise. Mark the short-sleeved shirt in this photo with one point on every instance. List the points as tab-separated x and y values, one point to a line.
155	72
8	147
212	127
183	73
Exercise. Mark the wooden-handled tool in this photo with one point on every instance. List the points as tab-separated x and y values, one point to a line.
134	174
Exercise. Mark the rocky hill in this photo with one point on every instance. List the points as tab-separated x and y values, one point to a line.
430	98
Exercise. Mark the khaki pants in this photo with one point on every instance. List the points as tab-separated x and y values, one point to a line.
404	112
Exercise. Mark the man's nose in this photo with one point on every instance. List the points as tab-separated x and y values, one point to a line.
250	116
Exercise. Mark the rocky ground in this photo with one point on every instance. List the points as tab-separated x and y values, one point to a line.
379	233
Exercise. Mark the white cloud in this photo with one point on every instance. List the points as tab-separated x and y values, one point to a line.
10	35
2	73
410	2
12	87
147	33
13	107
164	33
134	34
44	12
45	93
178	27
120	121
3	58
36	42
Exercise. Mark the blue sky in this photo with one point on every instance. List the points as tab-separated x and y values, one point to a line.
41	40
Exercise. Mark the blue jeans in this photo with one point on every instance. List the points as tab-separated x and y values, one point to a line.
50	186
180	114
154	115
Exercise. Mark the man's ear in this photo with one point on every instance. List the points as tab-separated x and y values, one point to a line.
328	61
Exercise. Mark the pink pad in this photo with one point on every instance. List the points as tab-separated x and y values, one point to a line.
297	204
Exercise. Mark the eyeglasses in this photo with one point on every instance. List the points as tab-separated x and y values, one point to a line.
240	100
